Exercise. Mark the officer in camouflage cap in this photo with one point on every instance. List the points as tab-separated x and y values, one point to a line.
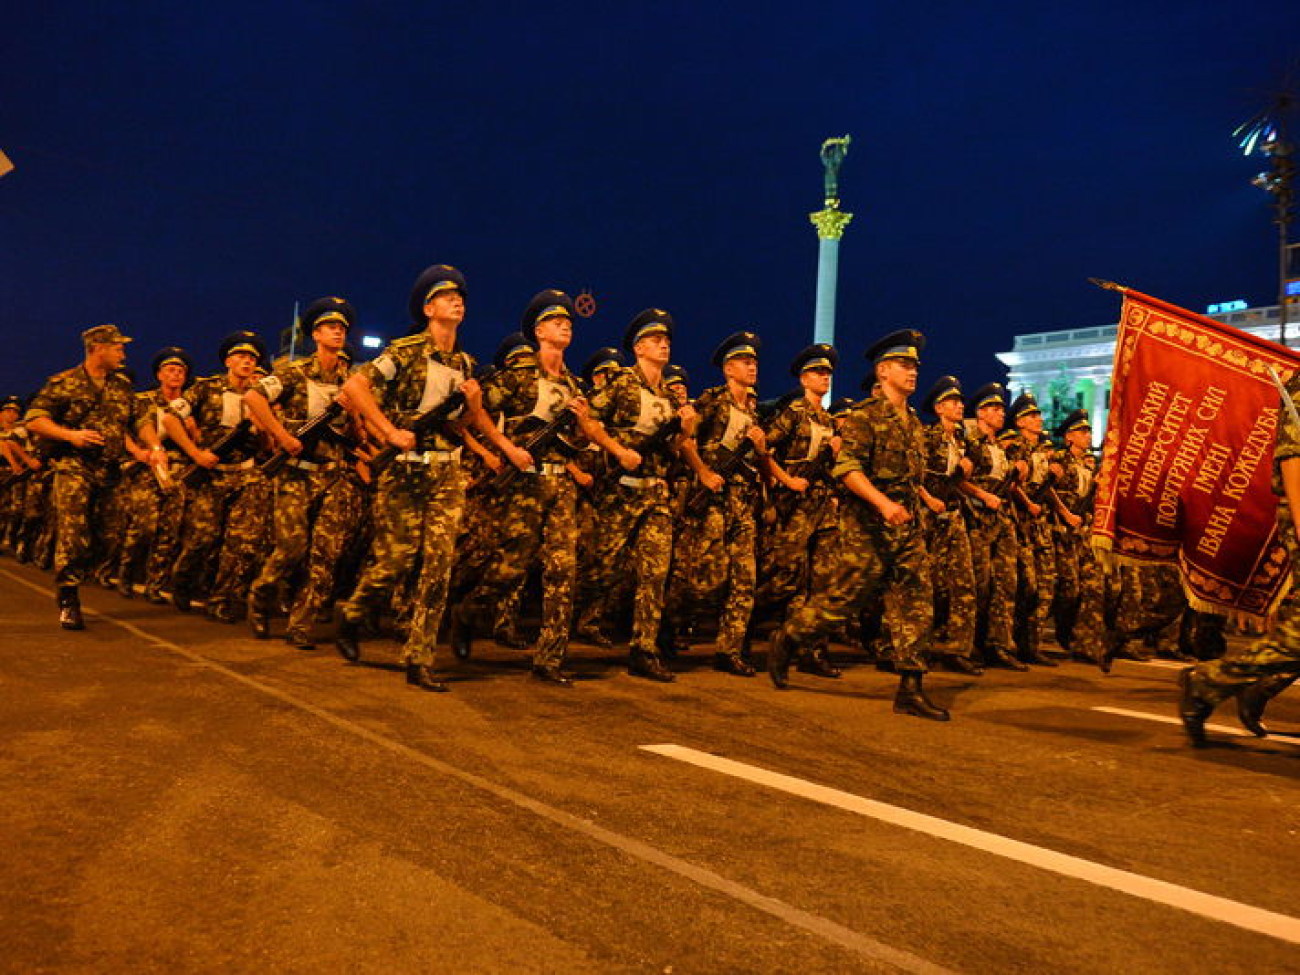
87	413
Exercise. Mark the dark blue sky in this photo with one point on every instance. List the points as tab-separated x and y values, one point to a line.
185	169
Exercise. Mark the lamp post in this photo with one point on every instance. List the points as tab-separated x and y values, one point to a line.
1267	134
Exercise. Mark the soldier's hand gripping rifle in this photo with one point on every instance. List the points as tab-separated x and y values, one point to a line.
425	422
223	447
309	435
659	438
540	435
697	502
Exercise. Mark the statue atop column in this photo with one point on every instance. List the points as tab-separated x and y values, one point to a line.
833	153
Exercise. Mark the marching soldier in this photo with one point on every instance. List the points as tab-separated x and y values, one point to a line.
227	511
541	516
637	409
801	441
1033	530
881	462
318	496
947	464
1255	672
156	504
716	557
1080	580
87	412
421	495
992	533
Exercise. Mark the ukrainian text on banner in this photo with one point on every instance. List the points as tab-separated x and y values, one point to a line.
1187	464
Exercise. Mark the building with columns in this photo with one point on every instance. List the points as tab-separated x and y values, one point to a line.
1075	364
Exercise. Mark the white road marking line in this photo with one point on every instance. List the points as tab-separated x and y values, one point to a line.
1222	729
1258	920
846	938
1163	664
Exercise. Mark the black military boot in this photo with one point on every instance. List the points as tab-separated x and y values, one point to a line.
911	699
347	638
1000	658
778	659
259	619
640	663
1193	711
70	609
421	677
733	663
962	665
551	674
817	662
1254	699
461	633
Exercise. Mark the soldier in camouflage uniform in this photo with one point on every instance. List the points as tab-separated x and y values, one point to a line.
636	512
992	533
88	412
1080	580
800	553
317	494
15	472
1253	673
716	553
421	495
881	462
947	464
1033	518
156	504
541	520
226	514
591	470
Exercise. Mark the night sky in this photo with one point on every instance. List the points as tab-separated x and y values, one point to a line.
187	169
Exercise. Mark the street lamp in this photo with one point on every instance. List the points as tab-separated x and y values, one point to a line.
1266	133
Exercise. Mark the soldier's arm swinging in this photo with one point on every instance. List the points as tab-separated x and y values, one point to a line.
893	512
44	426
264	418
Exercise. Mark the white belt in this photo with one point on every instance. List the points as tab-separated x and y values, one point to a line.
548	470
430	456
241	466
641	482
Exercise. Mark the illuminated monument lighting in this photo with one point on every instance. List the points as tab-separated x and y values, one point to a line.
830	223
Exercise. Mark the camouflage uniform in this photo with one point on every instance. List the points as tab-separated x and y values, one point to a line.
420	496
887	445
317	497
540	512
635	513
948	542
1037	551
715	555
153	515
994	550
82	477
227	513
798	556
1080	578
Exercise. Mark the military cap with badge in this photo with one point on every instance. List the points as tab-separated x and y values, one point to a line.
736	345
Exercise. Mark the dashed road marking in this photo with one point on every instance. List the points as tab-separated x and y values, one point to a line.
1258	920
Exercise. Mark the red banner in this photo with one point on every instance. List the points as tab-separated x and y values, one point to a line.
1187	465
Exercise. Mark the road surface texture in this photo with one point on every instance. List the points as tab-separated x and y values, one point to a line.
179	797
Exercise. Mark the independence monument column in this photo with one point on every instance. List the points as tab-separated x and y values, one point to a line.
830	223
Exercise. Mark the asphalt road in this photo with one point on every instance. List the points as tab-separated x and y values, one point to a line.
180	797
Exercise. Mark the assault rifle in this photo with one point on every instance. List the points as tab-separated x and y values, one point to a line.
659	438
697	502
425	422
223	447
540	435
309	435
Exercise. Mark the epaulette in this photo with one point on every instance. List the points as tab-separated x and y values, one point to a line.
407	341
